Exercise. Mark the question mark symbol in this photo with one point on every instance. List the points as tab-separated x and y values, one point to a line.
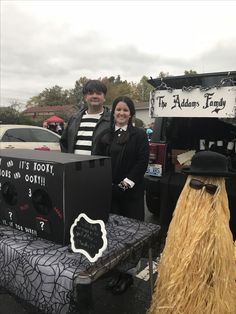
10	214
42	224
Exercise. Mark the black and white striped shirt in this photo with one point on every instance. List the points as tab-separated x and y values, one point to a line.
83	145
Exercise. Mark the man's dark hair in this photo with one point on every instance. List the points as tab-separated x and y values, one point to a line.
94	86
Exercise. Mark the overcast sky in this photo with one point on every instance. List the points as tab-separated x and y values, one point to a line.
47	43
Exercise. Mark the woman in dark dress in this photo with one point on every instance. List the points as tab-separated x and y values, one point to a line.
128	148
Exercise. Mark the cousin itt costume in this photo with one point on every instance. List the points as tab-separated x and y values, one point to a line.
197	273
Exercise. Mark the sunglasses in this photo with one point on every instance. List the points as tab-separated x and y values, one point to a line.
198	185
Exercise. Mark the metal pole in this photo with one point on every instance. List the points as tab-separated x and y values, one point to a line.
150	269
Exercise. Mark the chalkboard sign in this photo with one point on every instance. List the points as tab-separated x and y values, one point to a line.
88	237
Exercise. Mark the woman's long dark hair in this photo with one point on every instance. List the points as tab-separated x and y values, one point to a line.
107	139
129	102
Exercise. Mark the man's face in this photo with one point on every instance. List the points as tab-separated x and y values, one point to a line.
95	99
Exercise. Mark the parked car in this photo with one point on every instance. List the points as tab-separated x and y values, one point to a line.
28	137
173	136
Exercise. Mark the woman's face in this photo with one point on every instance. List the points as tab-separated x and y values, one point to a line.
121	114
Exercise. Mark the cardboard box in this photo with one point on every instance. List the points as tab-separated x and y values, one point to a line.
175	153
44	192
181	158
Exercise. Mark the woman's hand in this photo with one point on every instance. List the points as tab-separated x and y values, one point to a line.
124	185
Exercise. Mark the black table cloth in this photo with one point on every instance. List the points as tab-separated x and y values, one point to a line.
44	273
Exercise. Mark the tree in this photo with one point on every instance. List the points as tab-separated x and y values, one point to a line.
16	105
9	115
138	123
33	101
78	91
54	96
116	87
142	90
164	74
190	72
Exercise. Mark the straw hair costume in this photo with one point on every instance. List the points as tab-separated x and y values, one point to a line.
197	270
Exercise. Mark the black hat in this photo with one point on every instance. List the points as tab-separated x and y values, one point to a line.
208	163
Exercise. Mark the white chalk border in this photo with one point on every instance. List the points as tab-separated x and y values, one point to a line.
104	238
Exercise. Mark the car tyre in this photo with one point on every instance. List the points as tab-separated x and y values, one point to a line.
153	203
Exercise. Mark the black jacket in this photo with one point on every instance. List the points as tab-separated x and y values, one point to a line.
68	138
129	160
133	158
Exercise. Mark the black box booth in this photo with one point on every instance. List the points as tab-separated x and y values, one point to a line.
43	192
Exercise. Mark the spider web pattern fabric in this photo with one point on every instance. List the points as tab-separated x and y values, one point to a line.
43	273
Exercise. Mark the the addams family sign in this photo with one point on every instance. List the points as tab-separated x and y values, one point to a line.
214	102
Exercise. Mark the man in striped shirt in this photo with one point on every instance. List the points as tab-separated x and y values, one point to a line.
83	129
